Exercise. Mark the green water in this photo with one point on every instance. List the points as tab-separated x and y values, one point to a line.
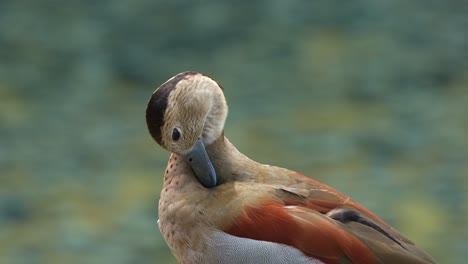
368	97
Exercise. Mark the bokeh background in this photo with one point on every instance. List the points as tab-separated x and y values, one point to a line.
370	97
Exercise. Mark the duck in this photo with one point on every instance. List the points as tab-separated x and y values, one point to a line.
219	206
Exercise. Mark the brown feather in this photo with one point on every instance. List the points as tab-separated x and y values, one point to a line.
324	198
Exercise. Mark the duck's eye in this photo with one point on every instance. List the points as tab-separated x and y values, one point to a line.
175	134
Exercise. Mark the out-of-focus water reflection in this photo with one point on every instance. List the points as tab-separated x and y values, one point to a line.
368	97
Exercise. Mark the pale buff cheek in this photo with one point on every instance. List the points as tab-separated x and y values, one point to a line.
198	107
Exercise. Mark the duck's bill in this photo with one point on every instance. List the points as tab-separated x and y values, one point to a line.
201	164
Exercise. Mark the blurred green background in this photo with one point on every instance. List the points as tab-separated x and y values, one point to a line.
370	97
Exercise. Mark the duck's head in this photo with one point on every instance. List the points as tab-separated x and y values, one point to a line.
185	114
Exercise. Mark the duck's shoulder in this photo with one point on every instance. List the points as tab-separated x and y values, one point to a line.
295	189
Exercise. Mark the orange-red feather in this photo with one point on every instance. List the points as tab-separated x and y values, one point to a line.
311	232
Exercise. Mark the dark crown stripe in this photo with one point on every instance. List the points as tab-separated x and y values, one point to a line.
158	103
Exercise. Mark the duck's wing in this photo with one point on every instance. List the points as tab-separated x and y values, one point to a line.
325	225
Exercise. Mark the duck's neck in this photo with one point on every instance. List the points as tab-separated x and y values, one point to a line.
229	163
